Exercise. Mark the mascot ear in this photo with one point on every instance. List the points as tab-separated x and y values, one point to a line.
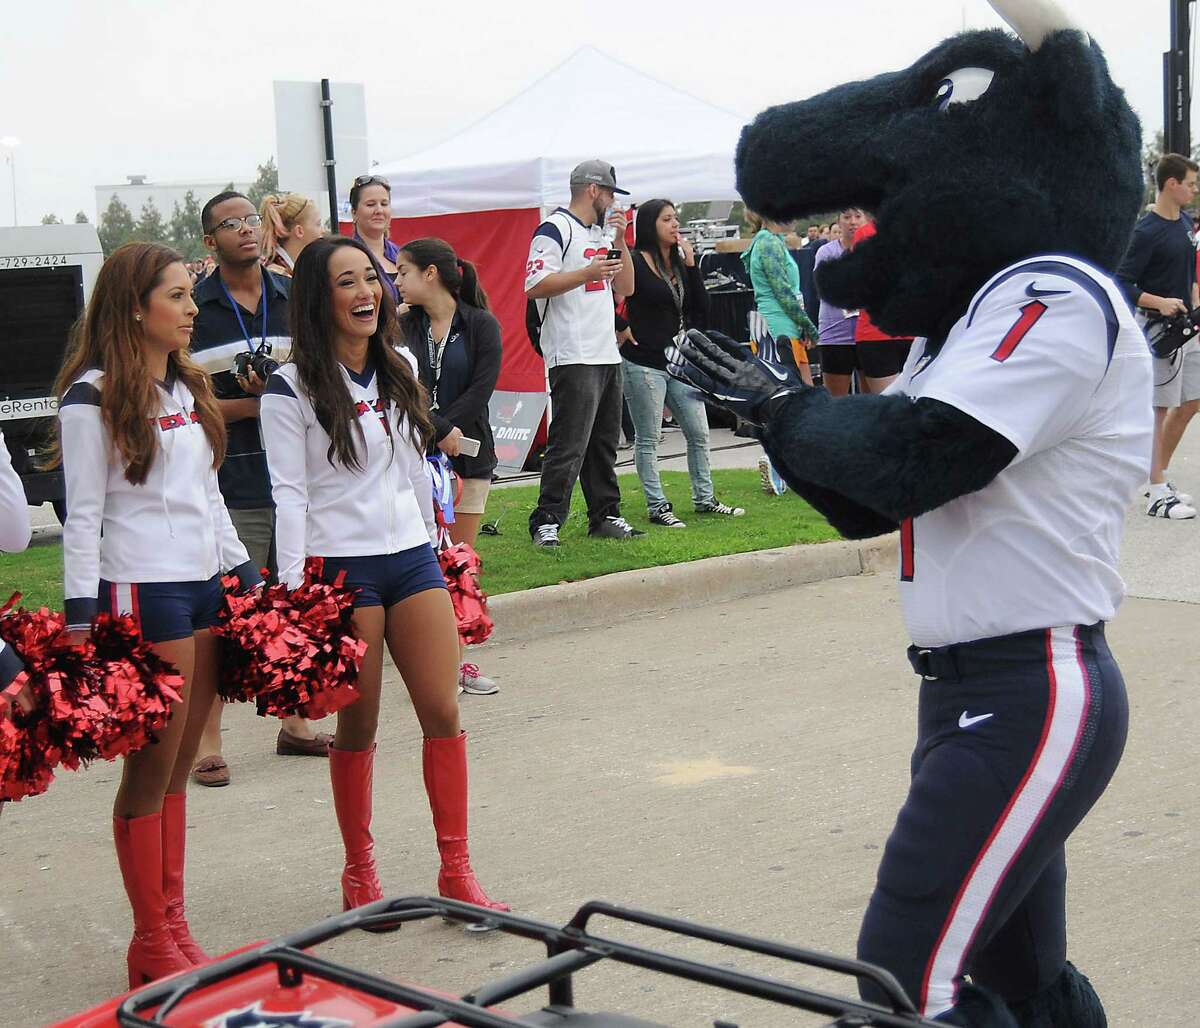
1034	20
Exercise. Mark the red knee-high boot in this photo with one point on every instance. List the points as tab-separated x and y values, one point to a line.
445	763
152	950
174	846
351	772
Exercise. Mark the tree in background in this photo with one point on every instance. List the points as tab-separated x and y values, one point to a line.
266	183
50	219
184	231
116	225
150	227
81	218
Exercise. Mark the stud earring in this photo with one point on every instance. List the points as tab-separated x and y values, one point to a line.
137	317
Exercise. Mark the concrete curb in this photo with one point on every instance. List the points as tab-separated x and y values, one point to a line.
609	598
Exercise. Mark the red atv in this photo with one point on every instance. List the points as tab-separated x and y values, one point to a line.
282	984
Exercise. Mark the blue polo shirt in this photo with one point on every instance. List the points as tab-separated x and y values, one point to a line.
218	337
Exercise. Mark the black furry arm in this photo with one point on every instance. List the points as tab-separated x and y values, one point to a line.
868	462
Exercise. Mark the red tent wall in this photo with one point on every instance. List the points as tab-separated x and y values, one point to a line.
497	243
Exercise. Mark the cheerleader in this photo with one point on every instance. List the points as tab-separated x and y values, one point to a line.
14	537
147	535
345	426
290	222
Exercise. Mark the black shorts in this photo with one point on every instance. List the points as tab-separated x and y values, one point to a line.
838	359
882	358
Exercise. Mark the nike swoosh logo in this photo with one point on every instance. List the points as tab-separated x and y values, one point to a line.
966	721
781	375
1033	291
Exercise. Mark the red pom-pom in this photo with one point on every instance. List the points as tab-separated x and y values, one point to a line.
295	653
104	697
461	567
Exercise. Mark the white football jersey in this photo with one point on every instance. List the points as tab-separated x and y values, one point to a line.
1049	356
579	326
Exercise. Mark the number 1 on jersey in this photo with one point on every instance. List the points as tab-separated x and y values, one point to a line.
1030	314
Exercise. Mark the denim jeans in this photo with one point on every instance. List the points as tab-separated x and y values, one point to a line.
646	389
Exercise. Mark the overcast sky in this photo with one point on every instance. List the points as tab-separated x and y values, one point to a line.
99	89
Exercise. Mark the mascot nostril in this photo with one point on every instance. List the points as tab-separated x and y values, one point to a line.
1004	176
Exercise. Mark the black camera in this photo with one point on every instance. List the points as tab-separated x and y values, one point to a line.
258	361
1167	334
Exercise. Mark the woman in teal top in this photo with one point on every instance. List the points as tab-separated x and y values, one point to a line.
776	280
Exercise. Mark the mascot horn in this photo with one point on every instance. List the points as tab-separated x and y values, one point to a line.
1004	178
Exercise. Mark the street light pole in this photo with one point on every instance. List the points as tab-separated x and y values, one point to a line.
1177	85
10	143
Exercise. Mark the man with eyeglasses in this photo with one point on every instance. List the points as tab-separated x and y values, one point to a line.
242	309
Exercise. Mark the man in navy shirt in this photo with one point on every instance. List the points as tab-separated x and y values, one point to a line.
243	308
1158	274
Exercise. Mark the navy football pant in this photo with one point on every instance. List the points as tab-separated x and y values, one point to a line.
1017	738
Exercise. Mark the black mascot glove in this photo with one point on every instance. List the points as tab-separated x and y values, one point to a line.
729	375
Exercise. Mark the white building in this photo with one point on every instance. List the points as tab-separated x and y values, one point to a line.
134	194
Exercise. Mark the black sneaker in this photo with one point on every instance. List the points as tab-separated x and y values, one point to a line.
545	536
614	528
666	517
717	507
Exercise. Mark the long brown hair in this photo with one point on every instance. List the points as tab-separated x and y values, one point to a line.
311	313
108	337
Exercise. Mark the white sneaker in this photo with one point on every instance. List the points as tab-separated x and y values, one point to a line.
1182	497
1168	505
471	681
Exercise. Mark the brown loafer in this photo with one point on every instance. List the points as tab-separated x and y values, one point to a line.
288	745
211	771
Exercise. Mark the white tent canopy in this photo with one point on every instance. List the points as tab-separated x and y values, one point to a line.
662	141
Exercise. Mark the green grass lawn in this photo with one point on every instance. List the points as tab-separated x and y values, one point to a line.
511	563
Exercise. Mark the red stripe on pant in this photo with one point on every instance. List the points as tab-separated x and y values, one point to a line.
907	556
1018	834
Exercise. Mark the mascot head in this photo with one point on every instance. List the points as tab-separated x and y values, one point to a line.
988	149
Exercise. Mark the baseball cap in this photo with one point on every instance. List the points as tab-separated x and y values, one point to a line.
598	173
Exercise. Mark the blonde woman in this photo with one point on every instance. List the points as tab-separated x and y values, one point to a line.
289	223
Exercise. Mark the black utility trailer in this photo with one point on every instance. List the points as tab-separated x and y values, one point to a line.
46	276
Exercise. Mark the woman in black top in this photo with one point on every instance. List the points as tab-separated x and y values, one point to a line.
456	341
668	297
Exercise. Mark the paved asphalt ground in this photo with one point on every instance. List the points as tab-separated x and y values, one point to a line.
738	764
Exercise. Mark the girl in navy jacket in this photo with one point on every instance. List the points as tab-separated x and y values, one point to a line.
345	427
147	535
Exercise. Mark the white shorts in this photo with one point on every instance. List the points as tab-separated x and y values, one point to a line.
1177	378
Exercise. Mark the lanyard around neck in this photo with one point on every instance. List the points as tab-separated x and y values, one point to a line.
436	351
237	313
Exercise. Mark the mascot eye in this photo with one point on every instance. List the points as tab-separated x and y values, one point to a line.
963	86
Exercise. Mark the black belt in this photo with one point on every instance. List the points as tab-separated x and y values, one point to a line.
958	660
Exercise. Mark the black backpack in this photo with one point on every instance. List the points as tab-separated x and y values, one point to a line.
535	317
533	324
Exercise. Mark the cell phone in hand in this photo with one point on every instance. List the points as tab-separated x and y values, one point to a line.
614	255
468	446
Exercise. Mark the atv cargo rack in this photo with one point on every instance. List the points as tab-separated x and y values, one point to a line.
568	949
